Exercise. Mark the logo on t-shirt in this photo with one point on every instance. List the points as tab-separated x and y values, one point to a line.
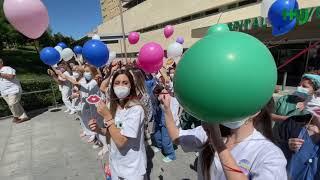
119	125
244	166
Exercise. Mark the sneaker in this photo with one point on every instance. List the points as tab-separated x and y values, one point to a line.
155	149
66	111
167	159
91	138
15	120
23	120
72	112
95	146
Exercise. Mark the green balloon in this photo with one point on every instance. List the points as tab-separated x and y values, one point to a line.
218	28
225	76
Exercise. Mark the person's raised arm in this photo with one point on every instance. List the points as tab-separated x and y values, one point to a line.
115	133
68	78
173	131
230	167
104	85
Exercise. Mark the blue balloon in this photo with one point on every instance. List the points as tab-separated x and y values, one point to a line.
50	56
285	29
95	52
275	14
62	45
77	49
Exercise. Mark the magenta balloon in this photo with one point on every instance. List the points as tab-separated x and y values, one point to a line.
134	37
30	17
151	57
168	31
180	40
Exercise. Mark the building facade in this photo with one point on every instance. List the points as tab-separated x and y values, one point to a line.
189	17
192	18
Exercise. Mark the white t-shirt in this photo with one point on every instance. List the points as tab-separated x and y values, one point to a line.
67	86
175	107
9	87
129	162
255	154
88	88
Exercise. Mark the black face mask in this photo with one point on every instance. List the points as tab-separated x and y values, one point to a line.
225	131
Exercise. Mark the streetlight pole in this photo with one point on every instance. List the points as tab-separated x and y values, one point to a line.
123	32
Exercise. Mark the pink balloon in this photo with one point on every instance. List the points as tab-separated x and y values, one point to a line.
168	31
30	17
151	57
134	37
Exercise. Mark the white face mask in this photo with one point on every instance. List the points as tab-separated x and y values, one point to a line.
235	124
121	91
76	75
302	92
87	76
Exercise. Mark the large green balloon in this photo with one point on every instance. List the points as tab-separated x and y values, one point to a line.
225	76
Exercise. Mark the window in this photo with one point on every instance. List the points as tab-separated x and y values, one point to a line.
197	16
211	12
231	6
186	19
243	3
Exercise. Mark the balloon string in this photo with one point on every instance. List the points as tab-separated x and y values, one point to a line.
298	55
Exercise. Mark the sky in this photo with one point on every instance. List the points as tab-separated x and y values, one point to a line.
73	17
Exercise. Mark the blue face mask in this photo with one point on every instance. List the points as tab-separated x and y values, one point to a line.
87	76
302	92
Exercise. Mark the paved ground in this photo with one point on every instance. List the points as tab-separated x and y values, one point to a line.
49	148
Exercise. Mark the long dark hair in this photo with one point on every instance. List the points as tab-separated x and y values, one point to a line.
262	122
114	101
139	78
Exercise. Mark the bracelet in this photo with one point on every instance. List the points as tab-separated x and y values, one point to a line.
107	120
232	169
108	124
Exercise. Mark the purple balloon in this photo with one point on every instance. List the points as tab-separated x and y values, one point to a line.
151	57
134	37
180	40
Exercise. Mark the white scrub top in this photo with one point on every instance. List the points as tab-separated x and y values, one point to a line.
9	87
66	87
256	156
129	162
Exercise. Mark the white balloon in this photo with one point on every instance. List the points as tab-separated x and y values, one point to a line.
265	6
174	50
67	54
58	48
96	37
112	56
